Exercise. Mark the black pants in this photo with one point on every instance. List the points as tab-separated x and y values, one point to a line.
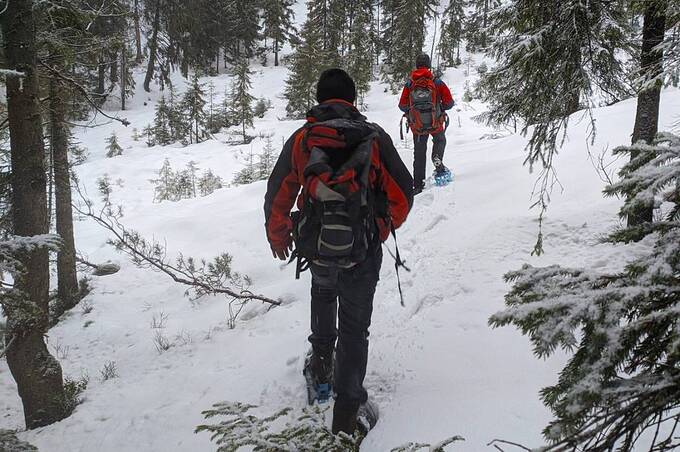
420	155
353	291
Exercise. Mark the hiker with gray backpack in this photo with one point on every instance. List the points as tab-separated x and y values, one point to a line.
352	191
424	101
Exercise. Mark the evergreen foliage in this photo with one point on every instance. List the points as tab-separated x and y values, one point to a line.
10	443
477	24
304	432
208	183
267	159
162	133
407	29
452	33
241	100
113	149
193	106
277	20
249	173
359	58
548	52
171	185
307	62
621	387
261	107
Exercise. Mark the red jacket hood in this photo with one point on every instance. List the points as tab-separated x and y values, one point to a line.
421	72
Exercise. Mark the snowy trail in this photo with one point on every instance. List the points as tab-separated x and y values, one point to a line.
435	367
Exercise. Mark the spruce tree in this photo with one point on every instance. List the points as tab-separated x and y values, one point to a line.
37	373
177	122
267	159
548	52
452	33
249	173
359	60
407	38
161	124
241	100
620	389
113	149
277	18
208	183
307	63
164	185
477	24
193	106
242	28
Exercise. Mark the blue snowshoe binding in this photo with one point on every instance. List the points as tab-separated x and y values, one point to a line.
318	373
442	175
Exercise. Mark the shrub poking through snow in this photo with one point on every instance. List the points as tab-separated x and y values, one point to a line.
174	185
209	182
258	166
113	149
10	443
261	107
73	390
623	379
109	371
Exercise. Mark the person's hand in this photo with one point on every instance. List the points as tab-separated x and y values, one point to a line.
283	253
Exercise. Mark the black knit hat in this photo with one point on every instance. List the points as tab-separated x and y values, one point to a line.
335	84
423	60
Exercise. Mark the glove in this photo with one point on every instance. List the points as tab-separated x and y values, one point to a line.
283	253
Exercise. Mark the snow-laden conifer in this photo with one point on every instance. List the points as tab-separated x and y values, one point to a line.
621	386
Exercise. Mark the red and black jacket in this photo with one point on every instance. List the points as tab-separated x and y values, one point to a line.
390	176
443	91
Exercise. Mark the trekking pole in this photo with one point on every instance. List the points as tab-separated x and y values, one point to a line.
401	127
398	262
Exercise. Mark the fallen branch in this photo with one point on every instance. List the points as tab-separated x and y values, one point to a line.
204	278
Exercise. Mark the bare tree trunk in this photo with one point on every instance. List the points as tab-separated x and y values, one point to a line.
647	116
113	68
123	77
37	373
138	35
153	47
67	277
101	79
276	52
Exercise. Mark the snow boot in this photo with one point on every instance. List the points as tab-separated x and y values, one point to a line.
367	417
344	418
318	372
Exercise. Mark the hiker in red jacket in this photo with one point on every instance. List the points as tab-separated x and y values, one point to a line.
424	101
355	191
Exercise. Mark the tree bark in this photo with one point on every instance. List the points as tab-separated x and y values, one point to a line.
101	79
276	52
153	47
138	35
67	277
113	68
647	115
37	374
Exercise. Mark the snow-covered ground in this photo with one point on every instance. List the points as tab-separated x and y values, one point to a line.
435	367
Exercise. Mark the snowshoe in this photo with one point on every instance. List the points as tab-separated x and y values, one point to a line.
442	176
367	417
318	373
